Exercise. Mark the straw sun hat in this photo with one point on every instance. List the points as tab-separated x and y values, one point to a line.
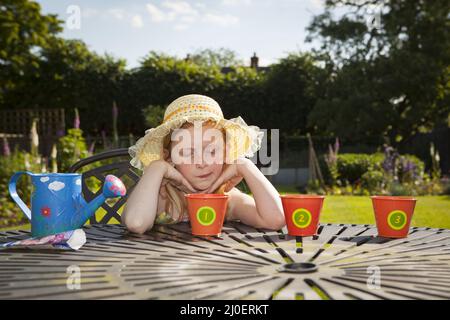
242	140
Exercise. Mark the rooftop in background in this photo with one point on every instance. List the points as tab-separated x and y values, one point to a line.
254	63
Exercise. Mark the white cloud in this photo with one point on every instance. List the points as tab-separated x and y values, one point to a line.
234	3
184	14
200	5
221	20
119	14
317	4
89	12
180	27
187	19
180	7
136	21
44	179
172	10
56	185
155	14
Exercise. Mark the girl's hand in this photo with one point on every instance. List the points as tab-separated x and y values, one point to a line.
174	177
233	174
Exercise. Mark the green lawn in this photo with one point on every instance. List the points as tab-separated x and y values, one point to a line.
431	211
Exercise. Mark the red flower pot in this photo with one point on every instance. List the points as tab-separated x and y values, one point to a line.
393	215
207	213
302	213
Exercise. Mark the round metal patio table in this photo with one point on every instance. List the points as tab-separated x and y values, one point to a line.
341	262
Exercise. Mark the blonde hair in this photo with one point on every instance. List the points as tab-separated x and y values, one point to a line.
176	204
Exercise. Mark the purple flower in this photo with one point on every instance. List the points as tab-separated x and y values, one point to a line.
6	150
409	168
115	111
92	147
333	153
105	142
76	121
330	151
336	146
390	158
60	133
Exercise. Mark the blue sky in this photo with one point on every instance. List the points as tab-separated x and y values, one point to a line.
130	29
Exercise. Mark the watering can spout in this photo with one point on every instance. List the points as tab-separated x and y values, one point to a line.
112	188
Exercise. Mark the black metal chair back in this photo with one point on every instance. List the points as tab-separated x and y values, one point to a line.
94	169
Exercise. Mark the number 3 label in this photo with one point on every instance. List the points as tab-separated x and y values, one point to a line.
397	219
301	218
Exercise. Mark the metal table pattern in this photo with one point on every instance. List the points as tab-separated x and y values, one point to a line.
243	263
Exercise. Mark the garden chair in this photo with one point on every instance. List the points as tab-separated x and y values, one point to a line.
95	169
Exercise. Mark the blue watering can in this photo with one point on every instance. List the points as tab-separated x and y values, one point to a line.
57	204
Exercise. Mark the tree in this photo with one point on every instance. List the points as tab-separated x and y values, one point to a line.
23	31
69	76
389	78
290	91
220	58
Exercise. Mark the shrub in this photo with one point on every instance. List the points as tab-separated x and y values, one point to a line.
352	166
446	185
71	148
10	213
388	173
372	181
153	115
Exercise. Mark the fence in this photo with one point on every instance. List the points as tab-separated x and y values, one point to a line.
293	151
16	125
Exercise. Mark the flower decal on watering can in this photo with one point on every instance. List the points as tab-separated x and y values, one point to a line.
46	211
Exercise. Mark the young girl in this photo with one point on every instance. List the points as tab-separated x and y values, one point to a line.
174	167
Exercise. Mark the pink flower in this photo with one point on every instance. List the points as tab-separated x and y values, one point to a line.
45	211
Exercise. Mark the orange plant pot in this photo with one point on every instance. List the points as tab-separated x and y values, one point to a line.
207	213
302	213
393	215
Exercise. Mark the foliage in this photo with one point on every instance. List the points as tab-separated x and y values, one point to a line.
353	166
372	181
71	148
382	173
10	214
153	115
291	89
221	57
390	79
23	29
314	187
69	75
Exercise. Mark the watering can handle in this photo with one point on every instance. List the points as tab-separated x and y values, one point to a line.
13	192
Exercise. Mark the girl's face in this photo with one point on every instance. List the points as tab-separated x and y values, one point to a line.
202	160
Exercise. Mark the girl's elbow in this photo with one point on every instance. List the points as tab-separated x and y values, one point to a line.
278	223
275	223
136	225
